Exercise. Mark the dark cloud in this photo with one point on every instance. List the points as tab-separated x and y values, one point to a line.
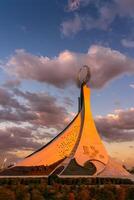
7	99
17	116
19	132
68	101
13	83
49	113
17	138
105	65
40	109
131	146
117	127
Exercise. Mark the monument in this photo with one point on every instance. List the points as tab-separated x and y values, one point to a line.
77	151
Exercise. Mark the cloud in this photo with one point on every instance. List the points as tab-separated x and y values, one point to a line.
12	110
68	101
131	146
12	83
74	5
49	113
106	11
23	28
27	66
41	109
71	26
125	7
105	65
17	116
127	43
132	86
87	22
118	126
17	138
7	99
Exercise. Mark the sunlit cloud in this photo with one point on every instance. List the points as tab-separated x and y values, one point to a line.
105	65
117	126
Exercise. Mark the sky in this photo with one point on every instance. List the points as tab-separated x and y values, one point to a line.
43	44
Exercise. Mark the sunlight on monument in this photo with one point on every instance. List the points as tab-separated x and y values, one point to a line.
77	151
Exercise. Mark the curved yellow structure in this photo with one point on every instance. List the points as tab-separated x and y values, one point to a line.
76	151
57	149
90	146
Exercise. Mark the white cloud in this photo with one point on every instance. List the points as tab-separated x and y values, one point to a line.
73	5
127	43
87	22
105	65
107	13
71	26
132	86
76	4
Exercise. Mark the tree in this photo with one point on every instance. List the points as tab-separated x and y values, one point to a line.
36	195
83	194
71	196
105	194
6	194
130	193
